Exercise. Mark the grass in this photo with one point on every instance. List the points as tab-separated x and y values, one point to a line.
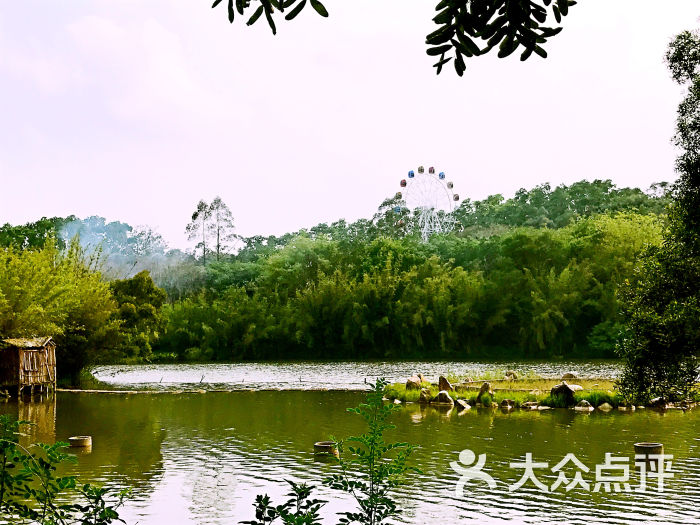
398	391
595	391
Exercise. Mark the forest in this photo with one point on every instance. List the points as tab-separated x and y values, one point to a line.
532	276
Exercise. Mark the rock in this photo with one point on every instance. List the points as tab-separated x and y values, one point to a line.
443	398
625	406
563	389
468	380
569	375
397	401
511	375
461	404
494	404
575	388
583	406
420	376
541	407
605	407
444	384
413	383
507	404
658	402
532	405
425	396
485	389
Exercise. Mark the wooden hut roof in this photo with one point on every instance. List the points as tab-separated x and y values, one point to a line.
28	343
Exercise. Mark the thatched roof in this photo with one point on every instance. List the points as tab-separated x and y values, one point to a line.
28	343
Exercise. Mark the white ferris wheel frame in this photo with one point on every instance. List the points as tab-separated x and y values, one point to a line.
429	197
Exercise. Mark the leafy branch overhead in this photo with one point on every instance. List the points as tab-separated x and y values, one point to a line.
267	7
507	24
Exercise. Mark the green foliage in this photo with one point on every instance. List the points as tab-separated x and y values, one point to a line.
662	300
34	235
528	291
300	509
31	491
139	314
376	468
61	294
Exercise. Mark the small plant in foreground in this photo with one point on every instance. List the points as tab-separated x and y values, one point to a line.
375	469
31	492
298	510
382	465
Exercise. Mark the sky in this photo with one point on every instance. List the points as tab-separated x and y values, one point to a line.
134	110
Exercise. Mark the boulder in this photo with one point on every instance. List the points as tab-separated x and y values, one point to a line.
485	389
413	383
494	404
658	402
605	407
507	404
563	389
461	404
443	398
468	380
425	396
575	388
542	407
569	375
397	401
532	405
511	375
583	406
625	406
444	384
420	376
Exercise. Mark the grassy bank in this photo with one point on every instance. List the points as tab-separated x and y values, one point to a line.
519	392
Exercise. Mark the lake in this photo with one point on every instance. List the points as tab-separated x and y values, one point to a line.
202	458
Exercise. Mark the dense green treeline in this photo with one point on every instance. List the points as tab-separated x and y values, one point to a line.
529	292
533	276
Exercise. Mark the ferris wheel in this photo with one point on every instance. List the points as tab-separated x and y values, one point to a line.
431	198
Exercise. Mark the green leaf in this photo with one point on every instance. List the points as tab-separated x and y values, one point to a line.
270	21
294	12
319	7
231	12
256	15
441	63
440	50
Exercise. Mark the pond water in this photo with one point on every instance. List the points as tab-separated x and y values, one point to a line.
325	375
202	458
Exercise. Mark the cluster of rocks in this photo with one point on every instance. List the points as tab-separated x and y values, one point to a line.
564	390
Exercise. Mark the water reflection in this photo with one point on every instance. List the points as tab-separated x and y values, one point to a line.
202	458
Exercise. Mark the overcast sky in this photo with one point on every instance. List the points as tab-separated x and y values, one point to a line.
135	109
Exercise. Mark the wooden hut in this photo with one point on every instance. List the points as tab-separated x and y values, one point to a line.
28	362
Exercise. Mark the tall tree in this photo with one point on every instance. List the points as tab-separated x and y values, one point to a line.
198	227
221	226
663	302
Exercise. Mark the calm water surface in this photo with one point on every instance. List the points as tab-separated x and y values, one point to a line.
202	458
